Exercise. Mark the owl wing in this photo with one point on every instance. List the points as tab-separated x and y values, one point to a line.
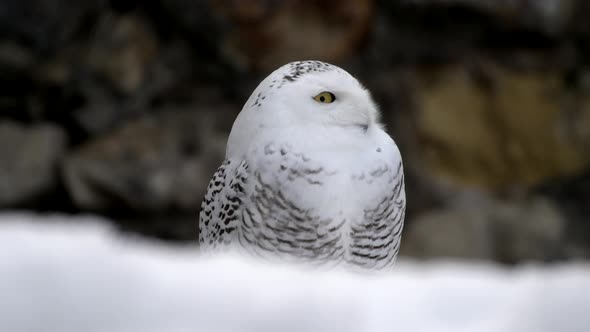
222	203
376	242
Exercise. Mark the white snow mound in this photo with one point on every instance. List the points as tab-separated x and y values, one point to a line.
69	275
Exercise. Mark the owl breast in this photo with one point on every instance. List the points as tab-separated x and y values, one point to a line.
323	205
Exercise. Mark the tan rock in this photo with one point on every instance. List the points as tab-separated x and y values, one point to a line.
507	129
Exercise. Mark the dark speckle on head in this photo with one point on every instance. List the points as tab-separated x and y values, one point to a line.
300	68
259	98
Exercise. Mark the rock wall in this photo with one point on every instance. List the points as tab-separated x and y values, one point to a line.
123	109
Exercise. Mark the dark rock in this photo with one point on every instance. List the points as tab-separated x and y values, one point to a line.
448	234
29	158
16	65
264	34
121	72
528	229
109	74
550	16
579	112
439	31
15	59
165	227
45	25
195	21
508	231
160	162
121	51
572	195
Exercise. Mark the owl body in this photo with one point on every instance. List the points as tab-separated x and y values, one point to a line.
325	188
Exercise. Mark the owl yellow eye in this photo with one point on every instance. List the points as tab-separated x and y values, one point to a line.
325	97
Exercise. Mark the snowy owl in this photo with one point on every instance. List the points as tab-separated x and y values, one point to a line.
309	174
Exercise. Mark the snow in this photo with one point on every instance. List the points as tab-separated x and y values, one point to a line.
63	274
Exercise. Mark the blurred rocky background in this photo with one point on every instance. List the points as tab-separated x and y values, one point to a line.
122	108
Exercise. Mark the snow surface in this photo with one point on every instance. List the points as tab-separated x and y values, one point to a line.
66	275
